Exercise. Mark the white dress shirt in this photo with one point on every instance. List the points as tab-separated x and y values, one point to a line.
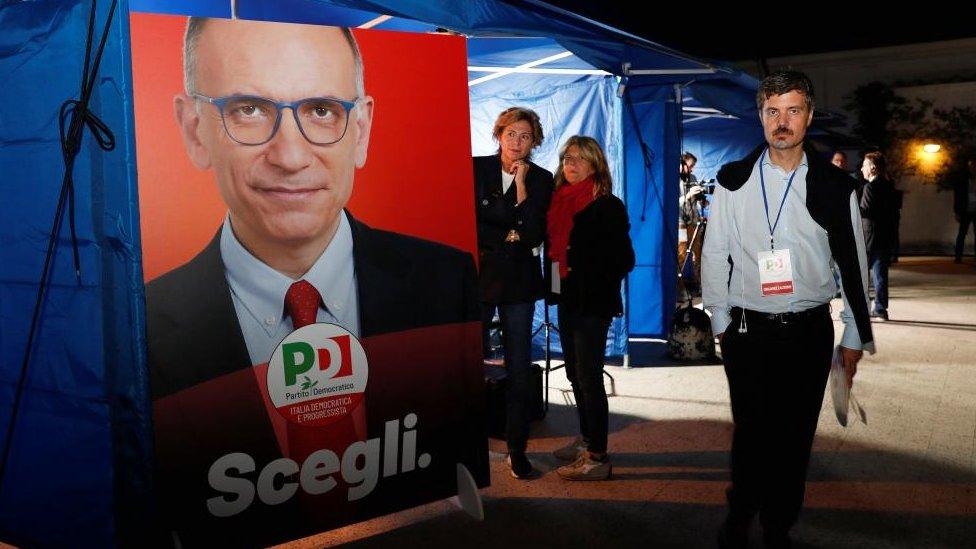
738	228
507	180
258	291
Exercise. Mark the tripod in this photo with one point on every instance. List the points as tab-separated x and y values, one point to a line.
547	325
690	250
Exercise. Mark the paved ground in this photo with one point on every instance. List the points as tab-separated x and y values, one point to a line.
905	479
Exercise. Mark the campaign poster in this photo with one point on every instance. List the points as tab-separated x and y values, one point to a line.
308	238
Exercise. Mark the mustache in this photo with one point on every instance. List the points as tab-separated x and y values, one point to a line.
785	131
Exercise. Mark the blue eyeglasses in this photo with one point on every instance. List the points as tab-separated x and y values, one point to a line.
252	120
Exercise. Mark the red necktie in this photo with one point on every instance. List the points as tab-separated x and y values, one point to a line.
302	302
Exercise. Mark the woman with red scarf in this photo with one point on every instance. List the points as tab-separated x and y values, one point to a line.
589	246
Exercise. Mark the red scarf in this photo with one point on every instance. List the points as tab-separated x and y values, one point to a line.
567	201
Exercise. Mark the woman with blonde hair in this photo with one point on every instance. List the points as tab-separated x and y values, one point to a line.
590	250
511	198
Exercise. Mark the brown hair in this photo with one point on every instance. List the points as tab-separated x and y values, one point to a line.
512	115
880	164
590	151
781	82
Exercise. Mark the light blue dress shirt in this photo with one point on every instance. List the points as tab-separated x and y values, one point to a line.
258	291
738	228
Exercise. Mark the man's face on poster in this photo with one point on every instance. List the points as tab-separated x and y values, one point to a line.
288	191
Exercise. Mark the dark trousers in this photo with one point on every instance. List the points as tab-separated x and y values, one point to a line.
584	341
777	374
964	221
879	262
516	325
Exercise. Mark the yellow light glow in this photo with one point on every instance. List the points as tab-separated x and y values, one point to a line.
932	148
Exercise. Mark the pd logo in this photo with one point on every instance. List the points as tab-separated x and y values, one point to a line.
317	375
775	264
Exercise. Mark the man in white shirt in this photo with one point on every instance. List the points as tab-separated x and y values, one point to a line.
779	219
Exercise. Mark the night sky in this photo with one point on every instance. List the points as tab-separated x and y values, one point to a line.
786	29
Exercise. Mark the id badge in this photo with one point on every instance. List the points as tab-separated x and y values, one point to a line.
775	272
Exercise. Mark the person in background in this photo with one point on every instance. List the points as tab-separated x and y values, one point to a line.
840	160
963	181
878	210
511	199
590	252
691	201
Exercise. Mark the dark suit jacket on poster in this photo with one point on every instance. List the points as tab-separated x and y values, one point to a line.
510	273
414	296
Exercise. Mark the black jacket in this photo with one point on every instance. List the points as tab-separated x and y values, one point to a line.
403	283
828	200
509	271
599	256
959	178
879	210
207	401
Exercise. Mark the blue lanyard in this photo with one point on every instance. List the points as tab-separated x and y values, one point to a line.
762	182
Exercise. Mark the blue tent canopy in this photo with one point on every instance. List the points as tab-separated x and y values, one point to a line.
80	451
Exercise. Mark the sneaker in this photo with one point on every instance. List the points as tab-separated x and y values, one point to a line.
571	451
586	468
520	465
880	315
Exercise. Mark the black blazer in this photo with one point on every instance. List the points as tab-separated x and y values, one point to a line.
599	256
403	282
879	209
829	191
509	271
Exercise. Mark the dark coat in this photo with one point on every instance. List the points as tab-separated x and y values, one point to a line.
879	210
403	283
599	256
959	180
509	272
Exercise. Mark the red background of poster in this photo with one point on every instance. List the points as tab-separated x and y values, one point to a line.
417	179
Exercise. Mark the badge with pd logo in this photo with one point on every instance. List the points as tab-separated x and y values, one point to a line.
317	375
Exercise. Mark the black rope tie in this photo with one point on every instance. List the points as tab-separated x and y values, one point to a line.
78	116
648	155
73	117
